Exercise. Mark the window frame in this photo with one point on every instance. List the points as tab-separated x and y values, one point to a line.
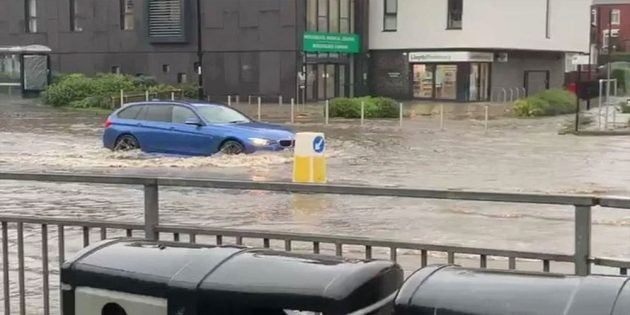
450	11
617	13
74	17
124	13
29	18
387	14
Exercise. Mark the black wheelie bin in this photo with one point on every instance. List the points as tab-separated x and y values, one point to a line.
129	276
452	290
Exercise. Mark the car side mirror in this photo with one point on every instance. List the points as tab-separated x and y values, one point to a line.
193	122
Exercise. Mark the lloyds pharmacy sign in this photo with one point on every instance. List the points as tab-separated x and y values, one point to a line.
331	42
450	56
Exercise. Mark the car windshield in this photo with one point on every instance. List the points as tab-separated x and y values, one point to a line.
216	114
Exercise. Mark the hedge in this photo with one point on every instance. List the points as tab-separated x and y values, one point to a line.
374	107
547	103
79	90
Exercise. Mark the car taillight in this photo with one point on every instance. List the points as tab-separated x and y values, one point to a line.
107	123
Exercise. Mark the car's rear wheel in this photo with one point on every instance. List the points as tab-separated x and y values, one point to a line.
127	143
232	147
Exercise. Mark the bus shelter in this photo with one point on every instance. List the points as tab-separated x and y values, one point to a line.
25	67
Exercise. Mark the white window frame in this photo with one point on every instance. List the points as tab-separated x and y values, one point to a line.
615	17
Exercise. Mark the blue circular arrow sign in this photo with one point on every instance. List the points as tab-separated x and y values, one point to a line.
319	144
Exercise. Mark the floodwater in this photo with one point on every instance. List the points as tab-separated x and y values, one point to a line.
513	156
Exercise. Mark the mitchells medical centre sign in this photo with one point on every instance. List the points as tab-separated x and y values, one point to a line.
332	42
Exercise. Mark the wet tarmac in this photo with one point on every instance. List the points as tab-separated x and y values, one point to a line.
513	156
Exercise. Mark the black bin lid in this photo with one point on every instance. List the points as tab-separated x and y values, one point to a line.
223	279
263	279
442	290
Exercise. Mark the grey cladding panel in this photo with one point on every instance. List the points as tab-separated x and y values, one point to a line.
269	73
213	18
266	5
288	12
248	13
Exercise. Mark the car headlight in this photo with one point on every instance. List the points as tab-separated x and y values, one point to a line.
260	142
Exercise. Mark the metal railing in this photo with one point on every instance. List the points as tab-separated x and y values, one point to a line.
153	229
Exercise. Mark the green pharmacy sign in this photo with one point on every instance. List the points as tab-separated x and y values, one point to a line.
331	42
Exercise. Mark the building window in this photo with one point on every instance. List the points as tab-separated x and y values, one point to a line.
165	19
615	17
31	15
594	17
329	16
249	68
548	20
182	78
455	12
74	17
390	16
126	15
311	15
166	68
322	16
344	16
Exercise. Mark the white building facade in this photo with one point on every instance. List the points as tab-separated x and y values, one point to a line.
473	50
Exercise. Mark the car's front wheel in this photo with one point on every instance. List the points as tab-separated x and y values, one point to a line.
232	147
126	143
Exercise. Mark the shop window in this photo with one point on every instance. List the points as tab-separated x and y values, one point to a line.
31	16
390	17
446	82
126	15
455	13
435	81
423	81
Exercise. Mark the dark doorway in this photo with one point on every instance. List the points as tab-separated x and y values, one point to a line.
326	81
536	81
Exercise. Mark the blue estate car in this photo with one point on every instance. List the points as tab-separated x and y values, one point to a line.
191	128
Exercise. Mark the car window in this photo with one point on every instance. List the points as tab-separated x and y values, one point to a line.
160	113
130	112
182	114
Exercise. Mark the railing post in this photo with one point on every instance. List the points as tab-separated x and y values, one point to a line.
151	211
582	240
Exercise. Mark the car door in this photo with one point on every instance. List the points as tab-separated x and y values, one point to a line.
189	139
153	128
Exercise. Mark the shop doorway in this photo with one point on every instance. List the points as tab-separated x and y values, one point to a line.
536	81
326	81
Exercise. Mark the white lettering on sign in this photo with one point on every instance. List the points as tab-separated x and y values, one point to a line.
451	56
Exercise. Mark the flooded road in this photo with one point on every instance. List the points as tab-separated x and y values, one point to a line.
514	156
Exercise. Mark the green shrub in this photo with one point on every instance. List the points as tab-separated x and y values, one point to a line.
78	90
190	90
546	103
374	107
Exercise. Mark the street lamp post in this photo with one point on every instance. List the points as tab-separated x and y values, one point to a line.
199	53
